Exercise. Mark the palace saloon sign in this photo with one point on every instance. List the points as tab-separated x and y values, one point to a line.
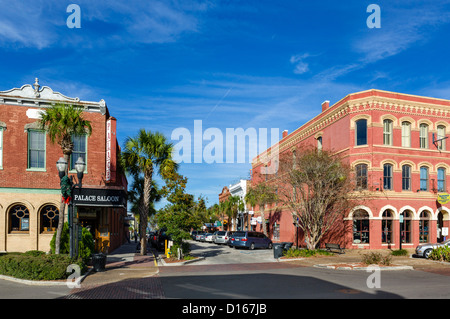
99	197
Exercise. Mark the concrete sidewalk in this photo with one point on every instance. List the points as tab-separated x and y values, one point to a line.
128	275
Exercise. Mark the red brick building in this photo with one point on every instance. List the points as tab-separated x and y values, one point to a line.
388	139
30	192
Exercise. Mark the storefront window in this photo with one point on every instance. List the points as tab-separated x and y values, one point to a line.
386	227
19	219
360	227
424	226
49	218
406	227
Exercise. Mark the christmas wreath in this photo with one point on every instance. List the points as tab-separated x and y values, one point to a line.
66	189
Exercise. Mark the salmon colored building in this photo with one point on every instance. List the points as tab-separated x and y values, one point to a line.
396	143
30	192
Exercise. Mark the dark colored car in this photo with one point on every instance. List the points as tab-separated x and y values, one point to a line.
194	233
250	240
158	240
230	236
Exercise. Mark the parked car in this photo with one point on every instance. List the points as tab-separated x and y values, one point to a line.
202	237
194	233
222	237
209	237
230	237
250	240
424	250
199	235
158	239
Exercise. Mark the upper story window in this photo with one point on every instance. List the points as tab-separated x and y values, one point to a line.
441	187
424	178
361	176
79	149
406	177
387	176
406	134
423	136
361	132
387	132
319	143
441	135
36	149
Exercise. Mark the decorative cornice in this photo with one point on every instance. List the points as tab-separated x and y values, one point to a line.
37	96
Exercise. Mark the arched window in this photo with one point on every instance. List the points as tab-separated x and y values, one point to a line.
361	227
406	177
406	226
441	135
424	227
441	179
361	132
424	178
423	135
387	132
319	143
19	219
387	176
49	218
361	176
386	227
406	134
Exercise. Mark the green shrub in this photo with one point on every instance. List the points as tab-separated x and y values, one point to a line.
376	258
440	254
37	266
185	248
298	253
34	253
86	245
399	252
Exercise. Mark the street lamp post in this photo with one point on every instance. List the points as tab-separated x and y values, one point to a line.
67	187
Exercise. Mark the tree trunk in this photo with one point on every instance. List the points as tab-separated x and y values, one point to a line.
263	220
60	227
148	175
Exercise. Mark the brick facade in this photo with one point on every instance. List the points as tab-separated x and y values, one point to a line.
384	154
37	188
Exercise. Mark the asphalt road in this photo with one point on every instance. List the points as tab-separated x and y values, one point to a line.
243	274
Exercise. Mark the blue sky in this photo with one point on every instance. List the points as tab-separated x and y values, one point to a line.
160	65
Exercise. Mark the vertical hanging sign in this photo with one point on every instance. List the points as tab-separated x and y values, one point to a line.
108	150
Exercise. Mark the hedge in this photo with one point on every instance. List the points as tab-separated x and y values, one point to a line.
35	265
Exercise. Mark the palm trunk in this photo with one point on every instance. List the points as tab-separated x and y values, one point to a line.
60	227
148	175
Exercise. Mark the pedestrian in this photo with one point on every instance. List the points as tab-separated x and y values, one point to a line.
135	236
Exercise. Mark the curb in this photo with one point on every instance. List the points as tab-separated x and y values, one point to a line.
368	268
46	283
161	262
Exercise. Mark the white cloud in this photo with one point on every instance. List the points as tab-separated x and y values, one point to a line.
41	24
300	66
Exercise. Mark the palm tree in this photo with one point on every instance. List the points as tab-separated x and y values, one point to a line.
144	154
61	122
136	195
